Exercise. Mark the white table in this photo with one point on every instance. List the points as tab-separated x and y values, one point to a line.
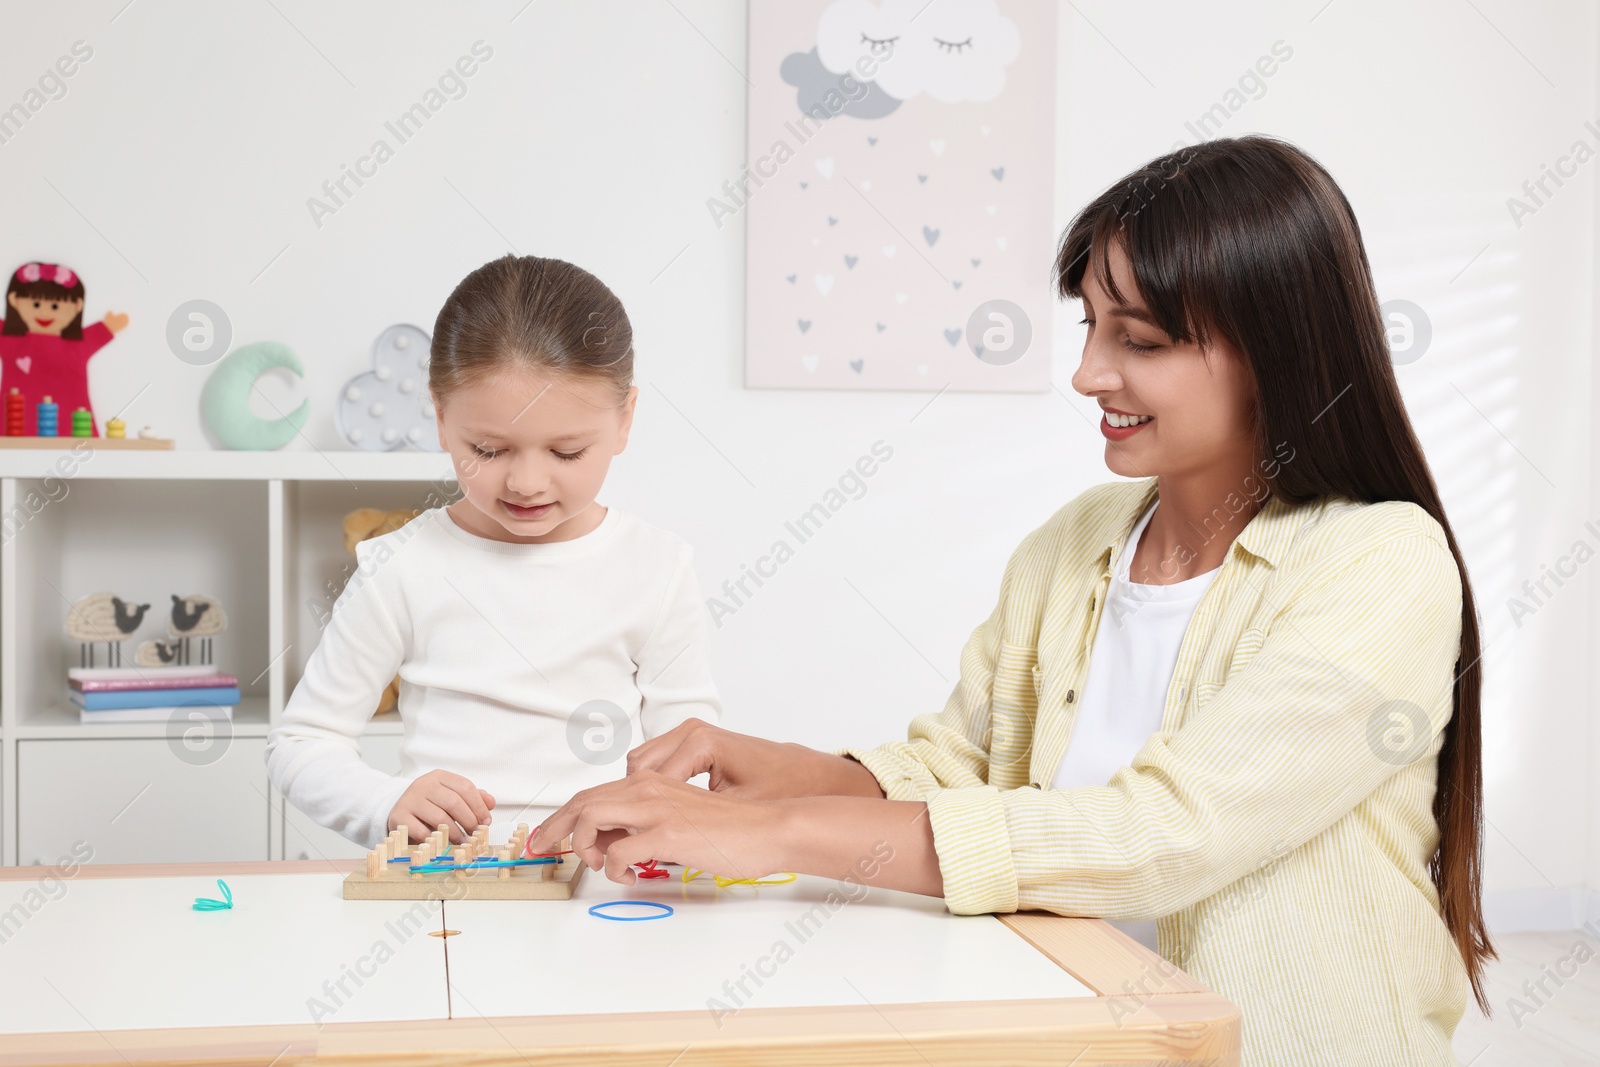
113	965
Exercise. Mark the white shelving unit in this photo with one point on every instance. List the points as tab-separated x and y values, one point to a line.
261	532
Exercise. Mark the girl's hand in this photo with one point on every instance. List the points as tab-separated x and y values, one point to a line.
751	768
648	815
440	798
115	321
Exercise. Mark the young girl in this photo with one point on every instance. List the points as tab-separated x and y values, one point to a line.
1237	695
537	634
44	346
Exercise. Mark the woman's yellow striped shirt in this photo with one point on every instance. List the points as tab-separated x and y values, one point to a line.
1279	824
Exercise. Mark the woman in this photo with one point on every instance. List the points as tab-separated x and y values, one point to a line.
1266	649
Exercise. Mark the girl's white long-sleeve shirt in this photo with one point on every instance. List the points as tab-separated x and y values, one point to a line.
529	669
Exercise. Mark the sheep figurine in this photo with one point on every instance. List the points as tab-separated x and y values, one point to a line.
195	616
103	617
157	653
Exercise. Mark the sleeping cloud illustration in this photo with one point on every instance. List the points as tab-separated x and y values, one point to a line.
952	50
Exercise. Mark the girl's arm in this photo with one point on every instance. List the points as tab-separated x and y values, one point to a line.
674	665
314	753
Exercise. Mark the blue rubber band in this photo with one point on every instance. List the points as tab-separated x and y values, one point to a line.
208	904
476	865
666	909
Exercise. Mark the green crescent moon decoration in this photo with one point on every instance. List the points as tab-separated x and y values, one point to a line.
225	399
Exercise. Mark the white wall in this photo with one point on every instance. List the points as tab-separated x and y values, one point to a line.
179	163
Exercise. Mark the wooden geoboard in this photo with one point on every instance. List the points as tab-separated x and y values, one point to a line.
112	965
477	870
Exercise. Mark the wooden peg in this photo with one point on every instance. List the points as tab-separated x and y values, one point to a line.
460	859
420	855
374	863
504	873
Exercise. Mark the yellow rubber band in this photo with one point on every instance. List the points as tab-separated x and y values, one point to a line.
690	874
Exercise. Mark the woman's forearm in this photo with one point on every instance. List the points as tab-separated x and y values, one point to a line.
871	841
823	774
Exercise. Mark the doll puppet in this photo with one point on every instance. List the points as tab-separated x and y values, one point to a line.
44	346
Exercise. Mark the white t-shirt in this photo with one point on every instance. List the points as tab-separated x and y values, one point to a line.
1130	667
500	649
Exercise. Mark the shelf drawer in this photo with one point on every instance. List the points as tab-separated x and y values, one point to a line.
141	801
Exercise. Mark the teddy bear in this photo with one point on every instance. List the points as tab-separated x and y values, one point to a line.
360	525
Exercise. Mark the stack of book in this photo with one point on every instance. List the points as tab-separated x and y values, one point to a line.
150	694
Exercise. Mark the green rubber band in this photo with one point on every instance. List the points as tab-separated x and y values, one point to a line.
207	904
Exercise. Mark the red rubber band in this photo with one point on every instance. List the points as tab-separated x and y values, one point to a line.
527	854
647	869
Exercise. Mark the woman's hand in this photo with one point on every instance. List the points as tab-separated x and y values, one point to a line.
649	815
440	798
115	321
750	768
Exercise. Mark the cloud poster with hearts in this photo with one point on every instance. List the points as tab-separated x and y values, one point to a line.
898	195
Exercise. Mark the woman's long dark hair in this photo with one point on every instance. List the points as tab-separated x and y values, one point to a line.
1250	239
